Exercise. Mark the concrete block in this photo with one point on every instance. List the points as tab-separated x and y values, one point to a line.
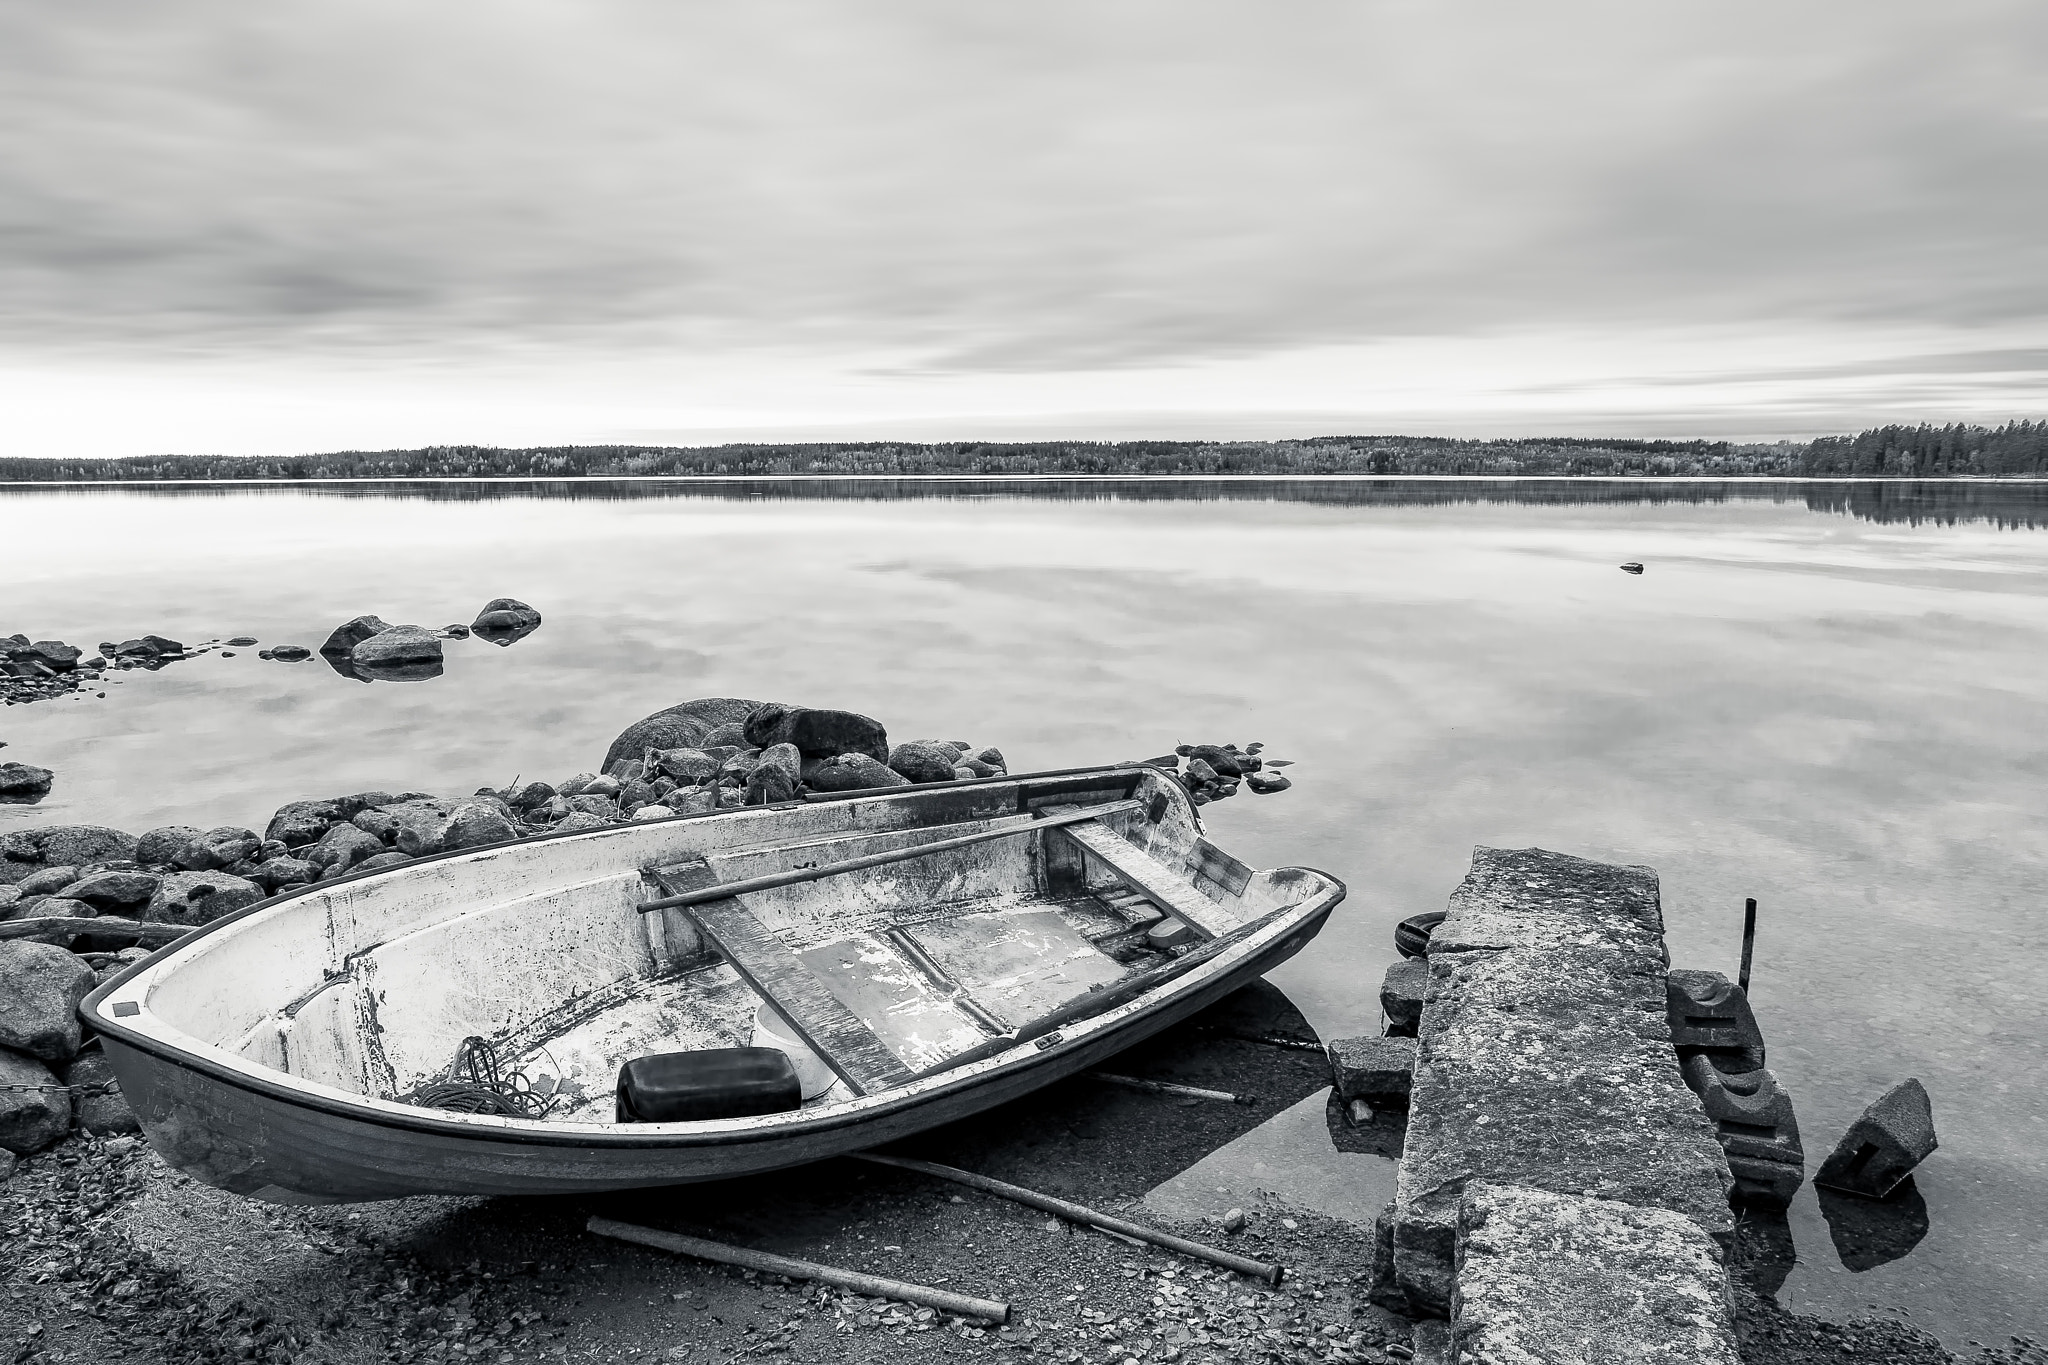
1710	1013
1751	1111
1881	1148
1549	1278
1401	995
1533	898
1376	1069
1547	1068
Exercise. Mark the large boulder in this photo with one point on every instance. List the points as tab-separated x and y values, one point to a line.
349	634
40	987
23	852
303	822
47	882
924	760
854	772
159	846
220	847
114	891
504	620
817	732
689	725
398	647
30	1119
23	780
101	1109
200	897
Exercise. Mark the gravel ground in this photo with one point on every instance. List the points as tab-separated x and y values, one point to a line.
107	1256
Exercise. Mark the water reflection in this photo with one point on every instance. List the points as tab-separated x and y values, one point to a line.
2006	504
1872	1232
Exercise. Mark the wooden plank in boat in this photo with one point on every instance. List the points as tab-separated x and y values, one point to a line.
909	1012
833	1031
1019	965
1211	864
1142	872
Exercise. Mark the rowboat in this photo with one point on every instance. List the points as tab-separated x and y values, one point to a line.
458	1024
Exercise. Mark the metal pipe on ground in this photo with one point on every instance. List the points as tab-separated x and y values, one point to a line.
768	1263
1192	1092
1081	1213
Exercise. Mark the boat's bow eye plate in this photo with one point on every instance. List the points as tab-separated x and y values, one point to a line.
124	1008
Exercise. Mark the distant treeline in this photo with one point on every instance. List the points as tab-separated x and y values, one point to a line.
2017	448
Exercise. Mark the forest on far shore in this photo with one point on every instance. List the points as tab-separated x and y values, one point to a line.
1913	452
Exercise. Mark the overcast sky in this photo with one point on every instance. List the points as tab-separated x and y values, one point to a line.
296	226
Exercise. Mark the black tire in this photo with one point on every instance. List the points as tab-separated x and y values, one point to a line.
1411	936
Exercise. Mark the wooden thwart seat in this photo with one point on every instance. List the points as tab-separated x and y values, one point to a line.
1151	878
798	994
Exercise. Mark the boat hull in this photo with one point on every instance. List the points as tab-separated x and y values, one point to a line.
276	1143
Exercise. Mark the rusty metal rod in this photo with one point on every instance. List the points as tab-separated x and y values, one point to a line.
1748	941
767	1262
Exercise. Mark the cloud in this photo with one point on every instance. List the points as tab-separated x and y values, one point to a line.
916	190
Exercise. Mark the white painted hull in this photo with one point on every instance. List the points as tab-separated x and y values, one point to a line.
214	1108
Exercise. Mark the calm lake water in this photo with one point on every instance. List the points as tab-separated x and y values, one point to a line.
1833	698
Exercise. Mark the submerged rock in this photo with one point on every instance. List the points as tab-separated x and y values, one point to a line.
25	779
397	647
504	620
288	654
349	634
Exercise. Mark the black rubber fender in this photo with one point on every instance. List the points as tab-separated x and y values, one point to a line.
1411	936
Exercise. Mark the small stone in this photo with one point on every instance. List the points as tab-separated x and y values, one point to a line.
653	812
1234	1220
994	758
275	873
217	848
102	1114
389	858
47	882
580	820
290	654
1266	783
504	620
159	846
923	760
457	631
243	641
199	897
40	987
399	646
115	890
30	1119
855	772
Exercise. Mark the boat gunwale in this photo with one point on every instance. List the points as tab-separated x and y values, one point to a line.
303	1094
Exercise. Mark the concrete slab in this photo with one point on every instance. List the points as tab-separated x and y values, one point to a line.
1533	898
1554	1279
1547	1062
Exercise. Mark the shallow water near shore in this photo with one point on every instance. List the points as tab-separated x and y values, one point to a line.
1829	697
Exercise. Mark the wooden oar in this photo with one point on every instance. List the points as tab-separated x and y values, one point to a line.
895	855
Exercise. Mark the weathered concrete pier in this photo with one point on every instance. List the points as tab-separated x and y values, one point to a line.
1562	1194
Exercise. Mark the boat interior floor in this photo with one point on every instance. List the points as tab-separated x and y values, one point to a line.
926	985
